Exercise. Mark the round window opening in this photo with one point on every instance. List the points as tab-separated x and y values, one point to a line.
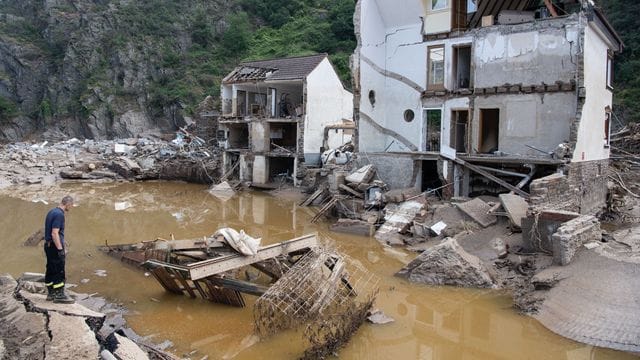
372	97
408	115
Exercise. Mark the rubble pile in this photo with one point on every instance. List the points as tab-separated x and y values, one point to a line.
187	157
33	328
624	177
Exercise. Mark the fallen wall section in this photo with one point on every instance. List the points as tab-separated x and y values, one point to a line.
572	235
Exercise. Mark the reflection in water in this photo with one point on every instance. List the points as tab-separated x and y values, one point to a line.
431	323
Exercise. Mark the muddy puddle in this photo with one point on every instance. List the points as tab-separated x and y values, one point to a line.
431	323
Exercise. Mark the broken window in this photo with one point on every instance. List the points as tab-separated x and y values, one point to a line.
489	130
459	126
438	4
432	119
241	103
609	70
462	67
435	67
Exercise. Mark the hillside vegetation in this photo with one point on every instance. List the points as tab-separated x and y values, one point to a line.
107	68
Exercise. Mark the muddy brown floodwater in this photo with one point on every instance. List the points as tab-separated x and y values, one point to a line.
431	322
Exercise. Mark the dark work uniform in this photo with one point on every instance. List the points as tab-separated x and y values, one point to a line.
54	276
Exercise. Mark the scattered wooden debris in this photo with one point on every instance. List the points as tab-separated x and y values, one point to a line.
209	267
35	238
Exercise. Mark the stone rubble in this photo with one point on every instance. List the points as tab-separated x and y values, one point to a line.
130	159
33	328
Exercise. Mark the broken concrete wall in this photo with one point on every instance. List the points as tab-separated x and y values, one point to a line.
582	190
539	120
572	235
590	177
528	54
396	170
538	228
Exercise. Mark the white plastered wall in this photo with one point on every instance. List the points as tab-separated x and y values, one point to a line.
591	143
327	103
391	39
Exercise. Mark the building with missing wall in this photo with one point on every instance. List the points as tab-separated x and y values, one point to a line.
484	96
275	116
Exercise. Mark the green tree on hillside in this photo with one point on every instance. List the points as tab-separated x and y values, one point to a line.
623	15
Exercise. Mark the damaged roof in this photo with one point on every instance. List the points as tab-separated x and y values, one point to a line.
293	68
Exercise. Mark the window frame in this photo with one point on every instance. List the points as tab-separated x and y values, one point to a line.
436	86
609	78
444	7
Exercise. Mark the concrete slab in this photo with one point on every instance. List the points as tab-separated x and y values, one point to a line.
39	302
71	338
128	350
478	211
23	334
397	218
362	175
515	206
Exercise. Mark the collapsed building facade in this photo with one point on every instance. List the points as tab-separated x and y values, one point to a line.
276	115
479	96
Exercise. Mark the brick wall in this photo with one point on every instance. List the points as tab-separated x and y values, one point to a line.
583	189
590	178
572	235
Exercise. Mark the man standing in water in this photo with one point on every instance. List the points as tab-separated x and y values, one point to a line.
54	249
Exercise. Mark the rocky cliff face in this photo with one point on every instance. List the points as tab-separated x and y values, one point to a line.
98	68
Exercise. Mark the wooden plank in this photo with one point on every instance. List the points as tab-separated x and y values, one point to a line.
351	191
492	178
328	206
166	280
185	285
219	265
313	196
240	285
201	290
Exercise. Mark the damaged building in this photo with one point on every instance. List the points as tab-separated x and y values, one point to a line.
483	96
275	116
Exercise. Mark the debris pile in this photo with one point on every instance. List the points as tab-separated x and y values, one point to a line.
299	282
624	176
187	157
324	291
33	328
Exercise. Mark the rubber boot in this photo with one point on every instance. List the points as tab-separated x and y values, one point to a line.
59	297
50	293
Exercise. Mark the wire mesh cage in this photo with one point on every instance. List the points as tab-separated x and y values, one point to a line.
326	291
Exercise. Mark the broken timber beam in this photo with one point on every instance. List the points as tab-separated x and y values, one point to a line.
491	177
239	285
203	269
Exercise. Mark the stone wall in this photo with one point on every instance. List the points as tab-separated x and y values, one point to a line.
591	179
553	192
572	235
583	189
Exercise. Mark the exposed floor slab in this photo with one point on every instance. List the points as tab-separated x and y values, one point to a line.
39	302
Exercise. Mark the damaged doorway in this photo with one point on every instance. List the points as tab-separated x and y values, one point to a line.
489	130
281	169
459	126
430	178
432	121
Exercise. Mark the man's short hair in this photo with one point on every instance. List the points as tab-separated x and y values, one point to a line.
67	200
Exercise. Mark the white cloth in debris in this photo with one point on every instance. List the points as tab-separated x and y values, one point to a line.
240	241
